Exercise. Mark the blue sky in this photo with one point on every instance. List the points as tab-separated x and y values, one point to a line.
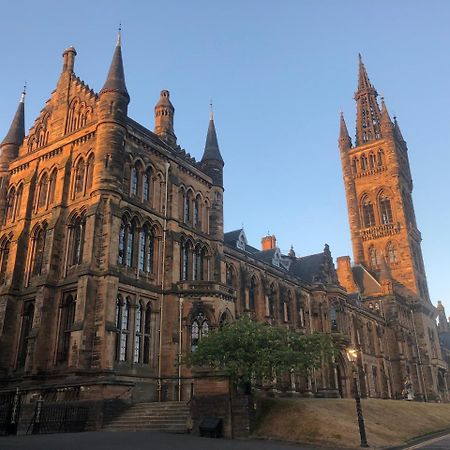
278	73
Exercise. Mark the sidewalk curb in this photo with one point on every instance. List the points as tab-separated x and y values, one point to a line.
420	439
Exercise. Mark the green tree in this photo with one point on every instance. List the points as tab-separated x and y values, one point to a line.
248	349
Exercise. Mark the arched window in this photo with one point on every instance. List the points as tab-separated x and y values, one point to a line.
373	258
363	162
196	215
134	181
10	203
89	172
79	178
43	191
67	318
372	161
186	207
52	187
333	319
147	333
37	260
230	275
18	201
355	166
271	300
199	329
252	294
138	329
76	241
122	325
4	256
122	233
129	245
368	213
185	257
146	249
391	253
380	157
385	209
25	329
146	188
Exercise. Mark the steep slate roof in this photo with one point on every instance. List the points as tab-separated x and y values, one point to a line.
366	282
115	81
308	268
16	131
212	151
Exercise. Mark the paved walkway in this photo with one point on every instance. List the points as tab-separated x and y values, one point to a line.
437	443
142	440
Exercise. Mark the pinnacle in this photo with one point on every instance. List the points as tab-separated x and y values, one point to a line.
212	151
363	78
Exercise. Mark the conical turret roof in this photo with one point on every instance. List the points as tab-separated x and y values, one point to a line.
16	131
212	151
115	81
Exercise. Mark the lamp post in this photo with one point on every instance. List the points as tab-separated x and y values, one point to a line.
352	355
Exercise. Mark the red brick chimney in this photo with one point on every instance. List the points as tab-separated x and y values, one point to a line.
268	242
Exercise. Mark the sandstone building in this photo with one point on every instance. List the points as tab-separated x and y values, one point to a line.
114	259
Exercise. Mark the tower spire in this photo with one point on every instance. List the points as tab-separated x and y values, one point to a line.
212	160
368	115
16	132
115	81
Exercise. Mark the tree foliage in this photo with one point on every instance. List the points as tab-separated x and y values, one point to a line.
248	349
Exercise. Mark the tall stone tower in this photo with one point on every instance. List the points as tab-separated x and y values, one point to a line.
378	187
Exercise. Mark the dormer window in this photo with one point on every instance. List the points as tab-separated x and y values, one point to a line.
242	241
276	260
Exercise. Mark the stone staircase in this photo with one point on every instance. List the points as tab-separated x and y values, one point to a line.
171	417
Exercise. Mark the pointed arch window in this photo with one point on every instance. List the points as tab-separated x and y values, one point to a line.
89	172
130	246
76	241
372	160
146	249
373	258
25	330
368	213
122	325
134	181
333	319
4	257
186	207
10	202
355	166
199	329
380	157
67	319
185	253
271	301
196	212
230	276
37	261
51	188
392	253
146	186
252	294
138	329
147	333
363	162
385	209
122	231
79	178
43	191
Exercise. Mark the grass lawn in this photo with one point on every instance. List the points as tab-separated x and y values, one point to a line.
332	422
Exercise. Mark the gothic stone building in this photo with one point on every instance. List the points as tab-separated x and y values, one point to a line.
114	259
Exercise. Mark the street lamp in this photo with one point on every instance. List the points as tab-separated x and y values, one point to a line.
352	355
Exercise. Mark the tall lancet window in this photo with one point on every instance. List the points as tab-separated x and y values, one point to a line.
368	214
385	209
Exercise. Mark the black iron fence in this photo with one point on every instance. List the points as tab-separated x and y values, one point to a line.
9	412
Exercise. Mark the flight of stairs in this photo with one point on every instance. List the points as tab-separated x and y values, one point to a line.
156	416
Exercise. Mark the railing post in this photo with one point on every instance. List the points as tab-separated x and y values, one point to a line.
37	415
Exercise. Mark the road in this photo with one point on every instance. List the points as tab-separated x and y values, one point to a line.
142	440
438	443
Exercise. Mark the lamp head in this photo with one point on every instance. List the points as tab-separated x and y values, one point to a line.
352	354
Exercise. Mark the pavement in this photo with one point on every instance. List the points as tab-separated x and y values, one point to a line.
140	440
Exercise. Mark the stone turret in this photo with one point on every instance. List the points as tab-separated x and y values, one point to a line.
164	114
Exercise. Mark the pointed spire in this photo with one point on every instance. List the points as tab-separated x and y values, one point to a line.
386	123
344	138
363	78
368	115
115	81
16	131
211	151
